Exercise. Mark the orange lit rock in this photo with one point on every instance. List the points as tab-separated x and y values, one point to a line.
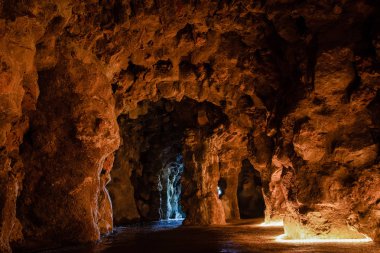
290	86
200	197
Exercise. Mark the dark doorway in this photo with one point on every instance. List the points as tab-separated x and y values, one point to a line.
250	197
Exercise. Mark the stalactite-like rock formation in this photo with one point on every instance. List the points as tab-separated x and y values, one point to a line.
290	86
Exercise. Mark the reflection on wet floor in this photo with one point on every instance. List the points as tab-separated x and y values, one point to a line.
241	236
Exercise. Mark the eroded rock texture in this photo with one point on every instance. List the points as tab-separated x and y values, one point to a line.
290	86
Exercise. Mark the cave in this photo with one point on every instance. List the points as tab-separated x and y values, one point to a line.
150	166
189	126
249	192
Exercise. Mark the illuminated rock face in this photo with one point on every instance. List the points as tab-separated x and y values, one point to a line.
339	149
297	85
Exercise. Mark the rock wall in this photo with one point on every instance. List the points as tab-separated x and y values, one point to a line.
297	80
18	96
336	150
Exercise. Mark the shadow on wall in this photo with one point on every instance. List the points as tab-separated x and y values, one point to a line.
250	197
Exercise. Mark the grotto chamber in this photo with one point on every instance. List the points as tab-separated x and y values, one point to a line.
189	126
149	172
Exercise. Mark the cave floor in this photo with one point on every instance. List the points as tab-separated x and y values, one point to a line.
240	236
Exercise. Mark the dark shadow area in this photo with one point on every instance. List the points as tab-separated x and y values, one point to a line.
250	197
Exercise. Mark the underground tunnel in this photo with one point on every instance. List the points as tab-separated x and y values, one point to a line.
189	126
153	165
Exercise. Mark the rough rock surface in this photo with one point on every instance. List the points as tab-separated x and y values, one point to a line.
296	83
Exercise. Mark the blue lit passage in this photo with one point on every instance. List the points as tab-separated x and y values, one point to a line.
170	190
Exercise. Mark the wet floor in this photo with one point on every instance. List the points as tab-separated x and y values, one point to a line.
243	236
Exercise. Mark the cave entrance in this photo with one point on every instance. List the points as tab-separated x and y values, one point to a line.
250	197
149	166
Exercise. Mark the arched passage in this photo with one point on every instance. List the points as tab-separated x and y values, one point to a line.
250	197
158	161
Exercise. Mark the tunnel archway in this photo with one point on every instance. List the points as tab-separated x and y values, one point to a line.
149	171
250	197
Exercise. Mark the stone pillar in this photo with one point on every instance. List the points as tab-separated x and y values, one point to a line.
121	188
200	181
72	132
